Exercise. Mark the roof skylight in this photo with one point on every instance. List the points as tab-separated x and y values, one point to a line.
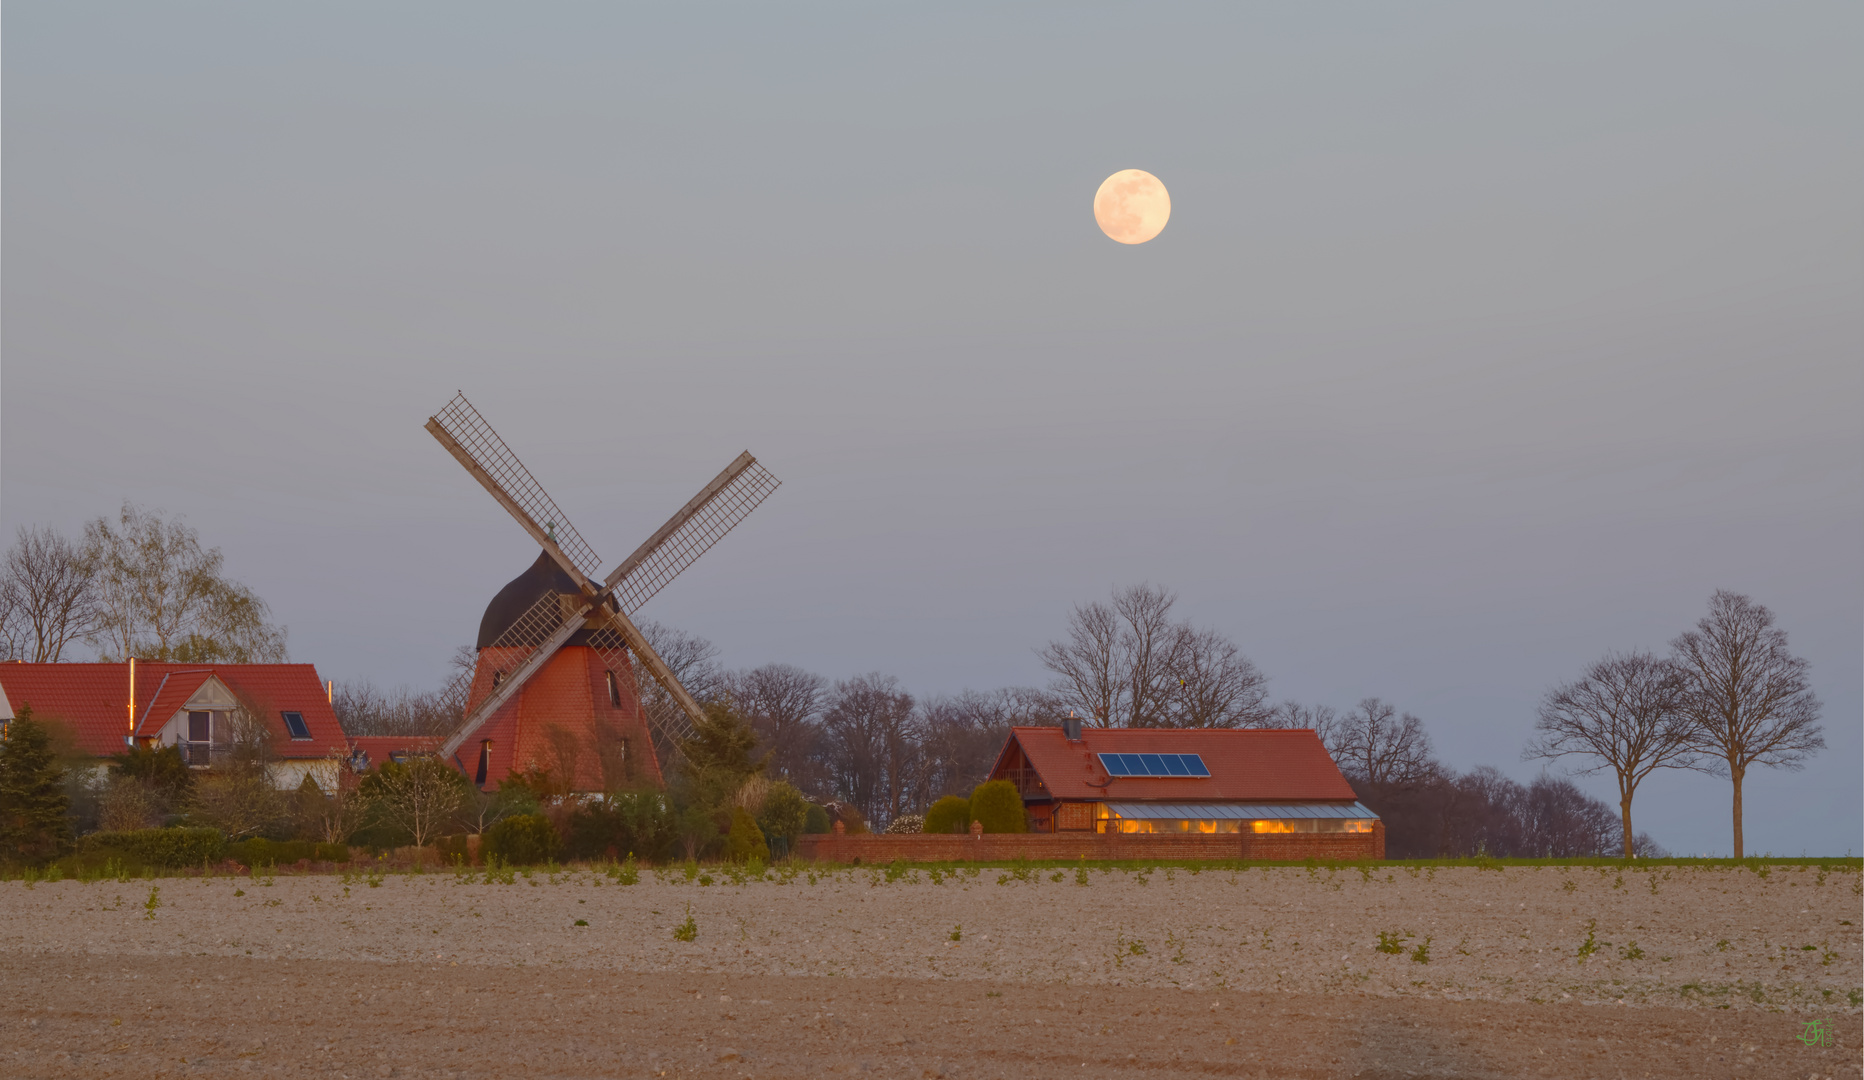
294	722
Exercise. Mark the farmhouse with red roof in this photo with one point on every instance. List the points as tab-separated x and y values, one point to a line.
193	707
1179	781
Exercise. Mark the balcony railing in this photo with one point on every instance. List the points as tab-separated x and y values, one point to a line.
202	754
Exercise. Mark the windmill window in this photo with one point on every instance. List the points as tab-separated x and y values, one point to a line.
614	690
294	723
485	762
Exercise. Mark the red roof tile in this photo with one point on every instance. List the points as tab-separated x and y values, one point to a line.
94	699
1246	765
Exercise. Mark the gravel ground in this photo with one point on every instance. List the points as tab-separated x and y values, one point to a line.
1690	972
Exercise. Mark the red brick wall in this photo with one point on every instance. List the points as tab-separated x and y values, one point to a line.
1344	847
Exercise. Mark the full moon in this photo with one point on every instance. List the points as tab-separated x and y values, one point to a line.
1132	206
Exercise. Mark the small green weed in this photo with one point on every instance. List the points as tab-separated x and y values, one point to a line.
688	930
1631	952
580	922
1392	941
1421	954
1591	944
957	933
154	901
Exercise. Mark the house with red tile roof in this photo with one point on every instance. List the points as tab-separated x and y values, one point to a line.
193	707
1179	781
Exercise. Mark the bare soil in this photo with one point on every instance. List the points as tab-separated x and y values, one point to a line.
1667	971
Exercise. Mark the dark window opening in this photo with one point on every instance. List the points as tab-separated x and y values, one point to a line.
497	677
294	722
485	761
200	727
614	690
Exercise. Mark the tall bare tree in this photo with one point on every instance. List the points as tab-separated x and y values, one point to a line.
1372	743
694	662
1129	664
1292	714
1089	665
47	595
782	703
1217	686
1748	700
873	734
163	596
1625	712
961	735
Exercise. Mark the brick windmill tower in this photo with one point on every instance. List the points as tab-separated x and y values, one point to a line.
552	686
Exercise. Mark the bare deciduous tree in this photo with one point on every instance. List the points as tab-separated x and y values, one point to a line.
364	709
1625	712
961	735
1089	664
1218	687
782	703
872	730
1128	664
1748	700
1292	714
1372	743
47	595
162	596
693	661
419	795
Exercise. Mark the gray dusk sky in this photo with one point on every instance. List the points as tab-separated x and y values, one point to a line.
1483	338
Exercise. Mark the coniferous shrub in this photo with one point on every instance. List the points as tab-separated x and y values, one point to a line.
522	840
951	814
161	847
999	807
745	841
815	821
33	825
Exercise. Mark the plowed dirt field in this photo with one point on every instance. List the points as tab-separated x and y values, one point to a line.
1286	972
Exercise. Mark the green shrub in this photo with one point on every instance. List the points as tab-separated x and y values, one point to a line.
620	823
523	840
997	804
784	814
261	852
745	842
332	853
161	847
951	814
816	822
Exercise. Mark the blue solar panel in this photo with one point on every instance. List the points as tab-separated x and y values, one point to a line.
1185	765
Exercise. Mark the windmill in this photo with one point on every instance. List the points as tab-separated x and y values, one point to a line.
559	620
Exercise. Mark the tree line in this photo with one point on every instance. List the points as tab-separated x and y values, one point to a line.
1727	698
133	585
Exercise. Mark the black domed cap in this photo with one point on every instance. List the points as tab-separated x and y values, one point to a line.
516	598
